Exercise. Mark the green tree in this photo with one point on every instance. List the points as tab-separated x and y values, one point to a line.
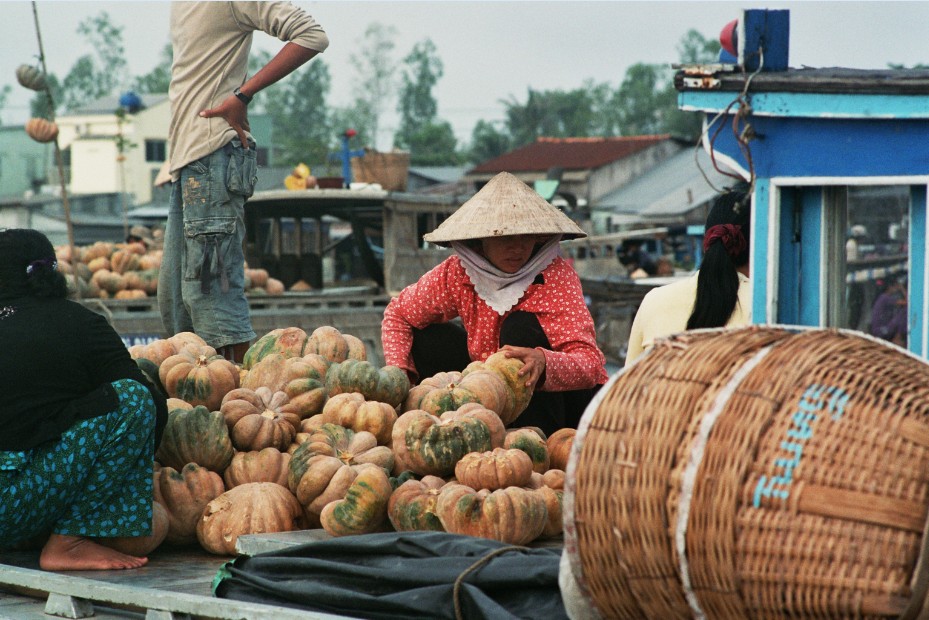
159	78
376	68
552	113
422	70
95	75
487	142
433	144
430	140
297	107
641	98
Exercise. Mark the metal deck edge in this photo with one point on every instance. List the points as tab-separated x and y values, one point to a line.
143	599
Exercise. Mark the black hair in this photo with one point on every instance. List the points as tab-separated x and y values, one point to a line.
718	280
27	265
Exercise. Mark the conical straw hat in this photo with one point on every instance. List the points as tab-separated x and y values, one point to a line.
505	206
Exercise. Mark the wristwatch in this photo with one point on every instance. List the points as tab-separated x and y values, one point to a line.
242	96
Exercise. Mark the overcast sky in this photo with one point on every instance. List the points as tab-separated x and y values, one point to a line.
494	51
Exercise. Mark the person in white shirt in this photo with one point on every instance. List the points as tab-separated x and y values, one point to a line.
718	295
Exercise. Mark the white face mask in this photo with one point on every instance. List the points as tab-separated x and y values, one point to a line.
500	290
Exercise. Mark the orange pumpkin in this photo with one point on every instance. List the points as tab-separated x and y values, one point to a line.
530	442
184	494
124	260
449	391
494	469
553	506
352	411
348	446
334	345
427	445
287	341
200	381
251	508
554	479
275	287
267	465
363	510
559	447
241	402
41	130
508	368
198	436
305	384
412	505
513	515
317	479
263	430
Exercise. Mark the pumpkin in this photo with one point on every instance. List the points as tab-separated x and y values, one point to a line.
251	508
267	429
130	294
495	469
201	380
559	447
553	499
258	277
386	385
287	341
300	286
363	510
108	281
41	130
275	287
148	279
448	391
266	465
353	411
317	479
96	250
198	436
99	264
554	479
348	446
508	368
305	384
530	442
489	418
512	515
151	260
334	345
177	403
124	260
242	402
428	445
30	77
412	505
184	493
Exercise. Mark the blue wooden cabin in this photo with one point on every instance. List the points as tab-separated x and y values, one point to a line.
839	164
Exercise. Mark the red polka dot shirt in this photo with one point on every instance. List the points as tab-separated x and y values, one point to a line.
575	362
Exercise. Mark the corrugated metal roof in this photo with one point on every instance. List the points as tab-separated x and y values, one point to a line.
439	174
567	153
671	188
108	105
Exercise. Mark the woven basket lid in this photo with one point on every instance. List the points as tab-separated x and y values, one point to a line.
505	206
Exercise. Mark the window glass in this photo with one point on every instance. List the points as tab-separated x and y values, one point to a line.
873	261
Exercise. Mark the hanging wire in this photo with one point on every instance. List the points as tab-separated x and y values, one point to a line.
742	136
59	161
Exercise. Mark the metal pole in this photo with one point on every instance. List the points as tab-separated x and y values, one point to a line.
58	159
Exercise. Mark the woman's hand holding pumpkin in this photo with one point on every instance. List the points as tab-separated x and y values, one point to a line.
533	363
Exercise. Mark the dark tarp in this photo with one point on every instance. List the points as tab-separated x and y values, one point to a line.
401	574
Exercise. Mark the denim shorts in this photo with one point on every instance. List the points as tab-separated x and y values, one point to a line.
201	286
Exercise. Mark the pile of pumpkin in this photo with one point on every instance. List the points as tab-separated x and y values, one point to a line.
307	433
130	271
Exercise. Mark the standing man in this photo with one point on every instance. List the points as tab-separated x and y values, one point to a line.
213	162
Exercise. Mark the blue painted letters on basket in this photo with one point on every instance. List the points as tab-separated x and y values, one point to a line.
816	400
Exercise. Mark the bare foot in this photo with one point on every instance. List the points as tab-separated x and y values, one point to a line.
63	552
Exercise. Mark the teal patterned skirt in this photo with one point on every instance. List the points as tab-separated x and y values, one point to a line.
94	481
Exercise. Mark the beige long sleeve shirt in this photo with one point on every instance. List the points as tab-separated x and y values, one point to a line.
665	310
211	43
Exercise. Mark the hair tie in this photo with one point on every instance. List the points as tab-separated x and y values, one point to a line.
731	236
48	262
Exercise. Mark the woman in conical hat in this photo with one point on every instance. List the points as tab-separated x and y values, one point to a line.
513	292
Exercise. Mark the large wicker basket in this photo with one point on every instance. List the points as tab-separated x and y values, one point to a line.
764	472
390	170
